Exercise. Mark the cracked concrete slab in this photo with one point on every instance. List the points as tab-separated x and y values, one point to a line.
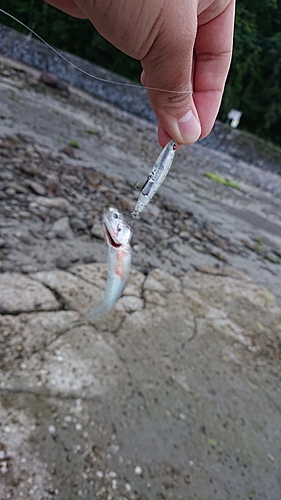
165	388
20	293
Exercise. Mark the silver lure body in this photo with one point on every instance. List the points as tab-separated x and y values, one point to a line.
156	176
118	235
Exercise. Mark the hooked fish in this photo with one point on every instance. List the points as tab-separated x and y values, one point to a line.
156	177
118	235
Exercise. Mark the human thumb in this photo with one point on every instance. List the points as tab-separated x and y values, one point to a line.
168	66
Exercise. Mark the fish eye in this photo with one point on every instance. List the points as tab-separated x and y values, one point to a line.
115	215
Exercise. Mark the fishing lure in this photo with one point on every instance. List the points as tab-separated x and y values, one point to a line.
155	177
118	235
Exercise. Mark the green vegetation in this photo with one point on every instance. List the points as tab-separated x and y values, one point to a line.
212	442
222	180
74	144
253	85
92	131
273	258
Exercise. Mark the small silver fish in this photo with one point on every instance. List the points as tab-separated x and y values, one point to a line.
156	177
118	235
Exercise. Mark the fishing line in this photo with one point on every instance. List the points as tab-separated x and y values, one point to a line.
123	84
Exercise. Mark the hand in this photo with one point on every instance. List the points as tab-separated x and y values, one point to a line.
182	45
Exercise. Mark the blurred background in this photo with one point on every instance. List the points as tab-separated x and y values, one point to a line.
254	83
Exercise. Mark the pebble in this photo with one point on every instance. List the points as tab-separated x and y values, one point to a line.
199	248
198	236
56	202
61	228
49	79
51	429
111	474
6	176
78	224
10	191
219	256
52	185
178	248
270	457
29	168
182	416
28	268
24	214
18	187
26	239
37	188
138	470
97	231
53	81
89	259
69	151
185	235
63	263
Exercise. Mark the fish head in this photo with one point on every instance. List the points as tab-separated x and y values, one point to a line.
117	231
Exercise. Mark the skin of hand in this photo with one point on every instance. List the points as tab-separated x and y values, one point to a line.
183	45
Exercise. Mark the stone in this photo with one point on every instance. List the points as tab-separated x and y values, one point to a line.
52	185
178	248
10	191
63	263
37	188
185	235
198	235
61	228
49	79
76	293
19	188
162	282
89	259
28	268
97	231
29	168
20	293
26	238
78	224
56	202
69	151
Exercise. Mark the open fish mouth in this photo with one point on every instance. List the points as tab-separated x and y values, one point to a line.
110	239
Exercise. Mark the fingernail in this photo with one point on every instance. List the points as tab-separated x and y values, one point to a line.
189	127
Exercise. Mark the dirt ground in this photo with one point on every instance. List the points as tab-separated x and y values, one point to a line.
176	393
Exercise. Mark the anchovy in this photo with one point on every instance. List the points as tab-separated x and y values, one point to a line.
118	235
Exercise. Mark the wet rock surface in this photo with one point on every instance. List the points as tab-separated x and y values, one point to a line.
174	394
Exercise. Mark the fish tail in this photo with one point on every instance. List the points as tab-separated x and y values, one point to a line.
94	313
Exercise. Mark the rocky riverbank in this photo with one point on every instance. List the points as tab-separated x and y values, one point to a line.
29	50
175	393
